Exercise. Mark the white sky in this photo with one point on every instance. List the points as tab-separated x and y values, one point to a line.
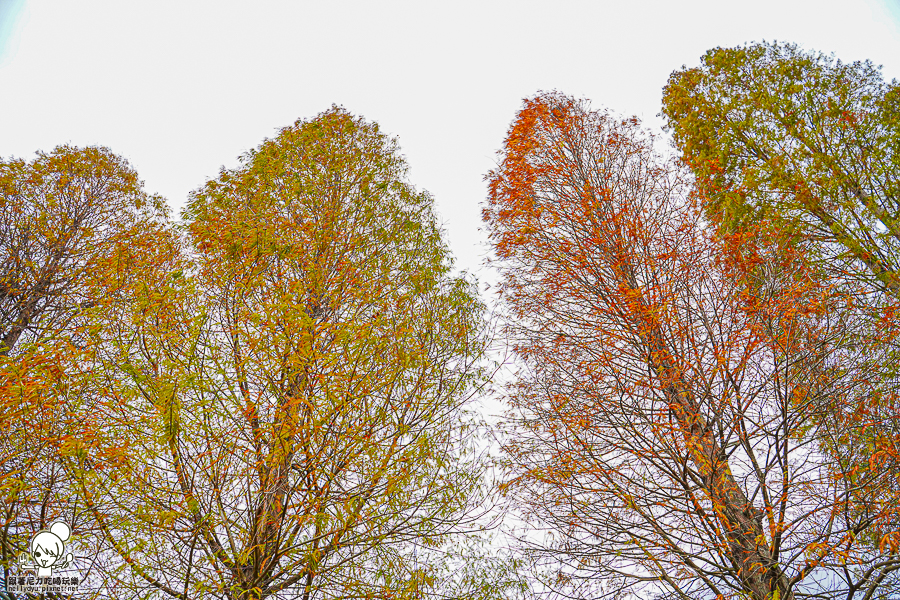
182	87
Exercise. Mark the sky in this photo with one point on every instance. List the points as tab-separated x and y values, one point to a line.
182	88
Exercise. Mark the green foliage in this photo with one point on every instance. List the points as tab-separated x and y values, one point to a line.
773	132
284	400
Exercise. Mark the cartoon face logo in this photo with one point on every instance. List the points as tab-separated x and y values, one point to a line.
47	549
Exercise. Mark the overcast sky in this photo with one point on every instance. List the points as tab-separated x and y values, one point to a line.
183	87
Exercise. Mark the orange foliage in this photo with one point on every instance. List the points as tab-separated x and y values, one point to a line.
667	406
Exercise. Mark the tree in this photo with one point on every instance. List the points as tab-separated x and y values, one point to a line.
285	407
812	145
667	423
799	138
71	222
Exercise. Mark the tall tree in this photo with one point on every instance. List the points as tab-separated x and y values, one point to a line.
288	416
72	223
811	145
800	138
666	430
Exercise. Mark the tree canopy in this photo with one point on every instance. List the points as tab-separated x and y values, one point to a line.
808	147
668	422
76	230
275	403
772	131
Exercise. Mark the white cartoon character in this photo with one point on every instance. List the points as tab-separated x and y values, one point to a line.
47	551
